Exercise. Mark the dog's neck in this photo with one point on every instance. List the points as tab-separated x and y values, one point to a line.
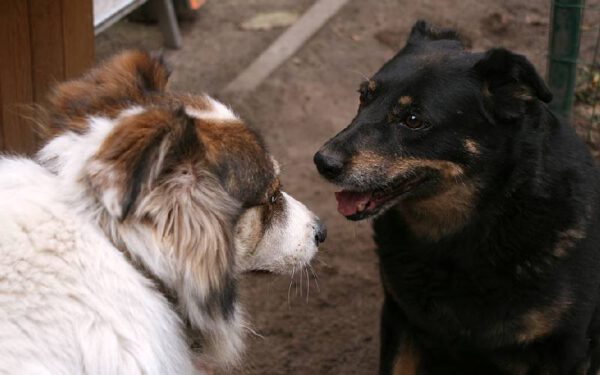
444	214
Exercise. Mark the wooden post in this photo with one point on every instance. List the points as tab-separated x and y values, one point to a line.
42	42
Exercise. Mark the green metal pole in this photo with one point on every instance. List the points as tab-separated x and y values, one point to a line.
565	33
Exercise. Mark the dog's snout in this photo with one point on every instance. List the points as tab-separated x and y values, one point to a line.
329	164
320	232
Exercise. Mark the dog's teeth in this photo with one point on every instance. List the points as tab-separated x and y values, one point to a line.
362	206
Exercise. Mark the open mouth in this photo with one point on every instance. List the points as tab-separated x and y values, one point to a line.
359	205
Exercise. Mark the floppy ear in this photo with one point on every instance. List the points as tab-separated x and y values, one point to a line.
144	171
133	155
123	79
423	31
510	81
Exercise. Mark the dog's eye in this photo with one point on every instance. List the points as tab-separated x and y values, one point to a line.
413	122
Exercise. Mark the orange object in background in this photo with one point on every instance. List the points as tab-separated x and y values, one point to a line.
196	4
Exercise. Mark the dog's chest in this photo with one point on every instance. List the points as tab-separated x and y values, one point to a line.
450	301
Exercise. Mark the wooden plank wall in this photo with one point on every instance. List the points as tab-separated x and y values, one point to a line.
42	42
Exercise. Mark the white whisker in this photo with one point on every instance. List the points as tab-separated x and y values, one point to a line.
307	283
251	330
318	259
316	277
301	277
290	287
359	73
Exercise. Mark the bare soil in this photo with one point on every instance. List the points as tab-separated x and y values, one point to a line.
334	328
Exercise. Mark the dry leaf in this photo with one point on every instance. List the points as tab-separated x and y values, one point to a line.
271	20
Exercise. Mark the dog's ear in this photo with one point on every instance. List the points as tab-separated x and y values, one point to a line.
423	31
125	78
510	82
134	154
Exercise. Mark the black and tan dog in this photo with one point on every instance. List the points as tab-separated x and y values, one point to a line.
487	213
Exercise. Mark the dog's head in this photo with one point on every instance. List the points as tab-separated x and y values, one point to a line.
433	123
177	181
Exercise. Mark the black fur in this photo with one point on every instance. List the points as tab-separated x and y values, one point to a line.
515	288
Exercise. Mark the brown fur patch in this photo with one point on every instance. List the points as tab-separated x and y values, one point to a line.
442	214
472	147
405	100
540	322
266	214
372	85
122	81
235	145
446	168
408	359
236	137
124	147
138	148
485	90
250	229
567	240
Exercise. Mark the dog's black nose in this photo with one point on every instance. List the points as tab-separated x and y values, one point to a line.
320	232
329	164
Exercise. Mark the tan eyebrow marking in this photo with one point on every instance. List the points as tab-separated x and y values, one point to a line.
372	85
405	100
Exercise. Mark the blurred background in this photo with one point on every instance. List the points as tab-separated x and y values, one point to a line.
300	93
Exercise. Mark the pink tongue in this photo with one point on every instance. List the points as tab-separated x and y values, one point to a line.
350	202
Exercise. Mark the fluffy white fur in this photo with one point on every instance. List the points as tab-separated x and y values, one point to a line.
70	302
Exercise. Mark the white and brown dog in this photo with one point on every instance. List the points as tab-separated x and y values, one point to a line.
130	229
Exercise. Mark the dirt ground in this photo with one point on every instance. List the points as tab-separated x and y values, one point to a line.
334	328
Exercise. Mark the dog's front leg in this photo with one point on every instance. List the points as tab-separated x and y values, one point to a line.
398	354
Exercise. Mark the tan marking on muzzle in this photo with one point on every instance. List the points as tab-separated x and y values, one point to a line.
395	167
432	217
